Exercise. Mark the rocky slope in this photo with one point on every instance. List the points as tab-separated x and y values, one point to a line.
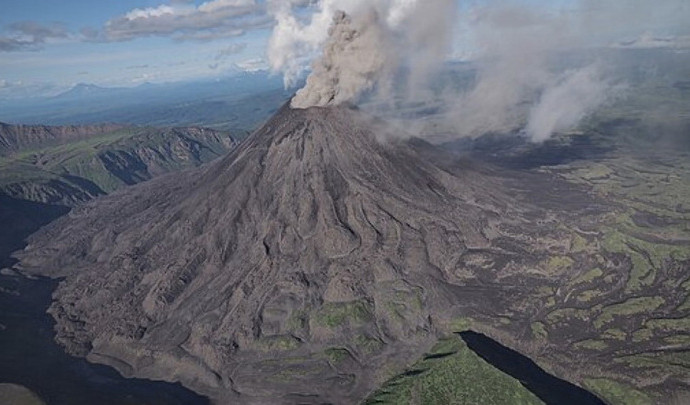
14	138
320	234
69	165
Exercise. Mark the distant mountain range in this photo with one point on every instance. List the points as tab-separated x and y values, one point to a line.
85	90
239	102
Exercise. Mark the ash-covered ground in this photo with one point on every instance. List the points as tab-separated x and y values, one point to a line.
325	255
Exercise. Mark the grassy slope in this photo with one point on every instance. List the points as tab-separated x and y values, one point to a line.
453	374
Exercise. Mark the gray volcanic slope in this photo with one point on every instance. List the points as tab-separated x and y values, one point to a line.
237	278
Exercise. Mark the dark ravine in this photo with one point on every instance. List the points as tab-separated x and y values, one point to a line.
550	389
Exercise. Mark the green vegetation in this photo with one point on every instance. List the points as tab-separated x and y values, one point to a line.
539	330
642	335
592	344
597	172
614	334
589	295
678	362
278	343
334	314
336	354
461	324
617	393
632	306
588	276
669	324
683	340
642	273
557	264
578	244
452	374
367	344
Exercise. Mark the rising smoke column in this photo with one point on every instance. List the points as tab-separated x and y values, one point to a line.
362	44
353	61
516	84
565	104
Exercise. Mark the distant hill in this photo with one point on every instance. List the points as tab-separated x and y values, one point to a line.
14	138
65	165
239	103
85	90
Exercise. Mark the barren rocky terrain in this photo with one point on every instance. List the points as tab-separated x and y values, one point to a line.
326	254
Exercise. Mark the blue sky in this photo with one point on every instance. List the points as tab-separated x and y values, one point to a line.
47	46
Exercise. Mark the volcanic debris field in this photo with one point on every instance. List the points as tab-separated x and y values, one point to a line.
325	259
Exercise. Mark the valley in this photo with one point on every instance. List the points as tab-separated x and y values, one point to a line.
70	165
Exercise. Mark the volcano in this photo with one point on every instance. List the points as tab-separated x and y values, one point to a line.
326	230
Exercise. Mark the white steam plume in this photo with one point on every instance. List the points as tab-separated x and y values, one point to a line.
516	83
514	45
563	106
368	42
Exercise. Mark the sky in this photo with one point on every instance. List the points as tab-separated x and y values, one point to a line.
48	46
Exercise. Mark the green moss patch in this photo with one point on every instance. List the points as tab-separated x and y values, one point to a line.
452	374
632	306
616	393
334	314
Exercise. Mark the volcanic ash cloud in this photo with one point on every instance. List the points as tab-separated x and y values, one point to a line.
353	58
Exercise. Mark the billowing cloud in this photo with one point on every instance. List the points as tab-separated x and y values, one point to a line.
230	50
185	21
521	81
30	35
518	85
352	60
368	44
252	65
564	104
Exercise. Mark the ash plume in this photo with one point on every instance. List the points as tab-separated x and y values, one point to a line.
362	45
353	58
393	50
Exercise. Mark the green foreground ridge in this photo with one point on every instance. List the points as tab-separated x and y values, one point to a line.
452	374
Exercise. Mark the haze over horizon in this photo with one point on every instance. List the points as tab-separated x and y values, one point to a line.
49	47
